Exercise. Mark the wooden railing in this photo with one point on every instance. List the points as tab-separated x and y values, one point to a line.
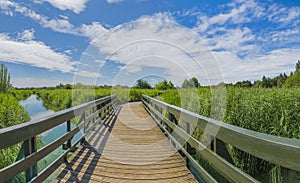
278	150
90	115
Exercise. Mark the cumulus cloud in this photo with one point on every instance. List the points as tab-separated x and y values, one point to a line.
35	53
76	6
26	35
59	24
155	45
158	45
25	50
92	30
240	11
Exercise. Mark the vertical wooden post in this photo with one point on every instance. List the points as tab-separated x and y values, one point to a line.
82	120
173	119
30	148
213	143
68	130
187	145
98	108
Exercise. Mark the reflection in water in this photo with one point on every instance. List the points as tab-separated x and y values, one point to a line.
34	106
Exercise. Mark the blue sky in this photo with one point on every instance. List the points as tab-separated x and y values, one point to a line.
47	42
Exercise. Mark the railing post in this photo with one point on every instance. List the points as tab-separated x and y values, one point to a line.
173	119
98	108
82	120
69	143
188	148
30	148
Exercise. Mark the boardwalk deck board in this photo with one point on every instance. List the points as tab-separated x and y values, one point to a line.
127	147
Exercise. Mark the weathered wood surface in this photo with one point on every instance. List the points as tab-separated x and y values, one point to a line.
127	147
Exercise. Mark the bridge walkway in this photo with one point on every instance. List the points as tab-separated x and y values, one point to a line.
127	146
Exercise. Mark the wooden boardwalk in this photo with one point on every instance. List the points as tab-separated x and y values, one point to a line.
127	147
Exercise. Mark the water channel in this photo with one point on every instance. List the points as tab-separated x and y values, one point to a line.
34	106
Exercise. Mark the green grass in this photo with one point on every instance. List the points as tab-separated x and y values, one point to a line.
273	111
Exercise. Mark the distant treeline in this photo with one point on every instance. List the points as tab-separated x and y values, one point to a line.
281	81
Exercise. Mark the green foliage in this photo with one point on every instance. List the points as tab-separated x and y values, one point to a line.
141	84
56	100
133	94
273	111
164	85
191	83
5	85
243	84
293	80
11	113
22	94
60	99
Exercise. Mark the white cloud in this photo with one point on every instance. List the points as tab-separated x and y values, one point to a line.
4	5
91	31
25	50
88	74
156	44
254	67
234	40
240	11
26	35
76	6
34	53
59	25
281	14
35	82
160	43
114	1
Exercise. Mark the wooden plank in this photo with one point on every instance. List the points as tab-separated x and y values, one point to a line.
119	152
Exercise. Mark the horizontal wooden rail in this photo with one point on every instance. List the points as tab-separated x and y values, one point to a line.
281	151
30	130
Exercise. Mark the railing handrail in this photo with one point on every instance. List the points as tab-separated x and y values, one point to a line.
27	133
279	150
33	128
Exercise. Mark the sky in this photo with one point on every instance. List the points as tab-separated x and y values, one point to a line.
47	42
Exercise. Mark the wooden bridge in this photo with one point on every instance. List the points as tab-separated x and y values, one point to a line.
148	141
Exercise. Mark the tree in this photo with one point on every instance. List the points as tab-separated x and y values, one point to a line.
141	84
298	66
171	85
293	80
195	82
257	84
265	83
243	84
68	86
164	85
192	83
5	85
